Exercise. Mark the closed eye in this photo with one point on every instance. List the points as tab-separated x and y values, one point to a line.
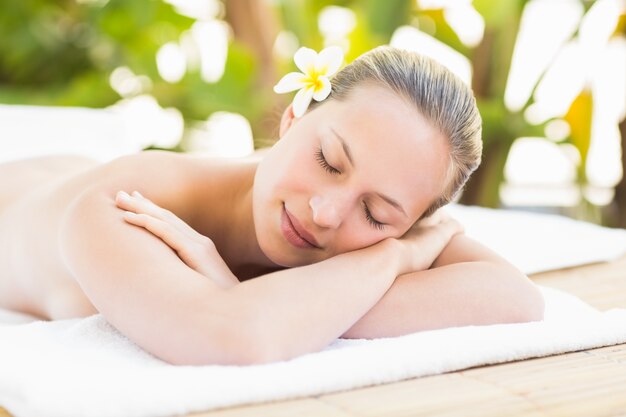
371	220
319	155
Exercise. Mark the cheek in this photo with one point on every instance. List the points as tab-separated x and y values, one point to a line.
357	234
301	174
275	174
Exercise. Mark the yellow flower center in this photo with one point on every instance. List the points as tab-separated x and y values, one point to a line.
313	80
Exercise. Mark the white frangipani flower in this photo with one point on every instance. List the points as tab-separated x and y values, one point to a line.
313	82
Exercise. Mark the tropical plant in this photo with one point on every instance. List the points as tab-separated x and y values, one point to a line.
67	53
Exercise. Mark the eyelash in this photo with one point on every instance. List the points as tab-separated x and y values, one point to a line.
319	155
371	220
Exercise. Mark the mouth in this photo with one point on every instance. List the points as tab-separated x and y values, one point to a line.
294	233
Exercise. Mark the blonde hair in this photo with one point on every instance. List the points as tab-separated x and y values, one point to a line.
436	92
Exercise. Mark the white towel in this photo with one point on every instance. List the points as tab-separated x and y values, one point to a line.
540	242
85	368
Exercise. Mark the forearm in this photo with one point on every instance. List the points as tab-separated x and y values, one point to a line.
176	314
460	294
303	309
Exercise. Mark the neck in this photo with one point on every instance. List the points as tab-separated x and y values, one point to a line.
225	215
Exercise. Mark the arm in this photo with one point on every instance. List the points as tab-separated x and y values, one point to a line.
481	286
138	283
467	285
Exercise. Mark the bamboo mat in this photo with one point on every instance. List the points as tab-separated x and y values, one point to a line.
585	383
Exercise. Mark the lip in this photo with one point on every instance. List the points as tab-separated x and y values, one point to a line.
294	233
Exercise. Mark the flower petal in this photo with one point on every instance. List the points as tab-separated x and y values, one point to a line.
305	59
301	101
329	60
323	92
290	82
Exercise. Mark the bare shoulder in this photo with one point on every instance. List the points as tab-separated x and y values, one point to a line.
159	170
147	165
167	178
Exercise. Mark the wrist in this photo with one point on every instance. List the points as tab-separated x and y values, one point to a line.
394	253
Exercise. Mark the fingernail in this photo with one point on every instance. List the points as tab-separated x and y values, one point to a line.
123	195
130	214
137	194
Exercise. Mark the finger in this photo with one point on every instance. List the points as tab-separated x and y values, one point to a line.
459	226
168	216
189	251
431	220
128	202
163	230
452	226
157	211
139	204
123	200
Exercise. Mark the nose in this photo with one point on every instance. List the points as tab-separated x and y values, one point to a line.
326	211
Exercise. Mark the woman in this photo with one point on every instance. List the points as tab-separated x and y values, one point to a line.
335	224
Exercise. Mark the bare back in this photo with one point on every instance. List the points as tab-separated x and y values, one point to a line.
28	198
34	196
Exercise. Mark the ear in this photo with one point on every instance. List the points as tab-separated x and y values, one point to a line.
286	120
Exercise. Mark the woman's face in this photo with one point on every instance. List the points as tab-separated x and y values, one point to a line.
346	175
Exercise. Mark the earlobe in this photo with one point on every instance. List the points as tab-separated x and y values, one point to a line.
286	120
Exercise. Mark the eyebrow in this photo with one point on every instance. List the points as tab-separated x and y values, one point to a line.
392	202
346	149
345	146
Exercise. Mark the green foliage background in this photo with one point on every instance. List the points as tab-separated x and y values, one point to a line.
63	52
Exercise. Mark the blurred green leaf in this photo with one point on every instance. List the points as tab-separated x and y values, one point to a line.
444	32
63	53
498	13
385	16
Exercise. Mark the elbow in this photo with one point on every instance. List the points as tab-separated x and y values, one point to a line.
527	303
239	357
225	344
257	345
222	352
526	310
539	304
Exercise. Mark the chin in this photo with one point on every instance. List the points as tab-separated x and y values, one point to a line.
285	259
283	255
275	248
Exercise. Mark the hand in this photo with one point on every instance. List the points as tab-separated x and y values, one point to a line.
197	251
426	239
